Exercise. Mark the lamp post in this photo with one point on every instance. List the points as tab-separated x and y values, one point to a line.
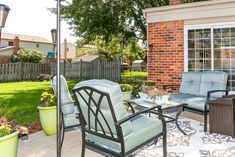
4	10
58	82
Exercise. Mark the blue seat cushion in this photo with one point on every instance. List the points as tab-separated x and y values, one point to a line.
143	129
195	102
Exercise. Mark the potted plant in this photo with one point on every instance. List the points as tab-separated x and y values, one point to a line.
47	113
148	85
126	91
8	138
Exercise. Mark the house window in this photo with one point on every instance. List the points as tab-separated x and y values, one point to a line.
10	43
212	48
37	45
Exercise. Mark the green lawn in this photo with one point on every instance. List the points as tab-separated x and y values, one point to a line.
22	99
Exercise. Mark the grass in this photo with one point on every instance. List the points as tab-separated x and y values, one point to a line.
22	98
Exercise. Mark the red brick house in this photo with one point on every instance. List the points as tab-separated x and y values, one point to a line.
196	36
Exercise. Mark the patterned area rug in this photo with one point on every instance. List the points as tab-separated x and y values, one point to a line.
195	144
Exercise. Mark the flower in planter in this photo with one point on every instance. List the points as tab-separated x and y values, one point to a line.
8	127
150	83
47	99
126	87
148	86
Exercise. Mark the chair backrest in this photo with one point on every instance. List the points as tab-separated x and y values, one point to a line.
199	83
67	104
190	83
101	105
213	80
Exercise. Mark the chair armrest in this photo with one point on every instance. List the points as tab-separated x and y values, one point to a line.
138	113
216	91
66	103
129	104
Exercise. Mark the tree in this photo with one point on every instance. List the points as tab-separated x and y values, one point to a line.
30	56
108	18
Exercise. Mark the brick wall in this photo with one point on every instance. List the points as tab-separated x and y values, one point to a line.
166	63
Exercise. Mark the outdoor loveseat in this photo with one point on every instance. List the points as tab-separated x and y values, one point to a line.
197	88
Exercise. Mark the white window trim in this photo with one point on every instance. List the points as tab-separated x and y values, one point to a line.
202	26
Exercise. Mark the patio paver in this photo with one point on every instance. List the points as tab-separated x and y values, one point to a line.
39	145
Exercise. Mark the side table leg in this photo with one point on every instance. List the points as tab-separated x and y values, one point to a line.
176	120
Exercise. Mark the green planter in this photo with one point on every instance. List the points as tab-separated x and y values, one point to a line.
8	145
48	119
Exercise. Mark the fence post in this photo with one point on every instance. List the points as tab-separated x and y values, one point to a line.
80	74
22	70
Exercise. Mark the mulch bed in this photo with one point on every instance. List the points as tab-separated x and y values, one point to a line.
35	127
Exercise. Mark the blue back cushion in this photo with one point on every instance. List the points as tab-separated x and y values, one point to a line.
213	80
190	83
114	91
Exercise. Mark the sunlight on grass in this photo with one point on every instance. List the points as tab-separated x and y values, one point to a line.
22	98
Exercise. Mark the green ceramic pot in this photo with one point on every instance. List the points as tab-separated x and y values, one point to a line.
8	145
48	119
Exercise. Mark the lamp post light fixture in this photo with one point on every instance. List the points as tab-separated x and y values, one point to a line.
54	38
4	10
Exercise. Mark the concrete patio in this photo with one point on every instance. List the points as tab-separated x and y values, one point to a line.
40	145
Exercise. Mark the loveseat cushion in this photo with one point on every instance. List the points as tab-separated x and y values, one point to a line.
143	129
114	91
190	83
213	80
192	101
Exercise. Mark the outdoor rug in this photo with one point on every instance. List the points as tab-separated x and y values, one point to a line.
195	144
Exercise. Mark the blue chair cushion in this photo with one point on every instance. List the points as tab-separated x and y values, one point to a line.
190	83
213	80
143	129
115	94
195	102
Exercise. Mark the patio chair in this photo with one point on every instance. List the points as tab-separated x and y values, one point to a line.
68	109
106	125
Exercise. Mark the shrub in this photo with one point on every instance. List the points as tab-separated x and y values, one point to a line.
29	56
44	77
126	87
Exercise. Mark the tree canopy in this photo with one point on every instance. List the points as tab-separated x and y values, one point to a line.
108	18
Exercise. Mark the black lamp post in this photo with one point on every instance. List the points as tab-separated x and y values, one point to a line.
56	36
4	10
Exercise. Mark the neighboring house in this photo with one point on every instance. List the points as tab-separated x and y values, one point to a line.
6	54
70	50
196	36
138	65
28	42
86	58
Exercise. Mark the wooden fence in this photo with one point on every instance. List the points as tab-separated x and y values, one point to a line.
80	70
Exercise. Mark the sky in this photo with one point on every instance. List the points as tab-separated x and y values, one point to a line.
31	17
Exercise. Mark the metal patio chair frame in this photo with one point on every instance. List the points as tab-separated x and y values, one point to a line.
119	138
